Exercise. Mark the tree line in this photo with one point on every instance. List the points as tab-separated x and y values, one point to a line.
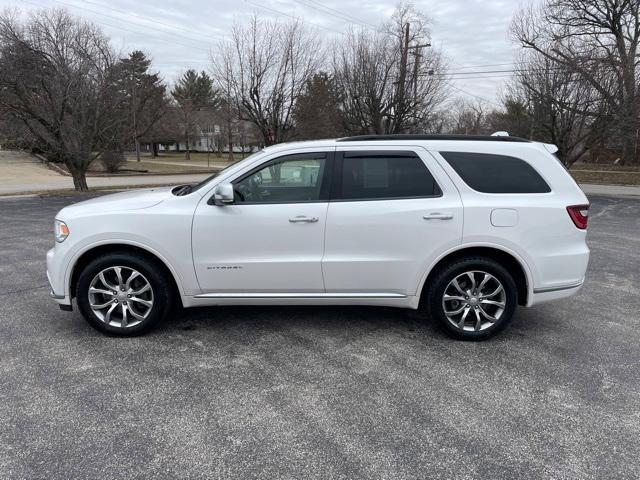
65	92
575	83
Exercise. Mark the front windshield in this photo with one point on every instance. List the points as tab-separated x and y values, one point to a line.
211	177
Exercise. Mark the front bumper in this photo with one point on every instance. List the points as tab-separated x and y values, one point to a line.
56	270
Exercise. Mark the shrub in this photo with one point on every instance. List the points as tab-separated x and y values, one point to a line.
113	160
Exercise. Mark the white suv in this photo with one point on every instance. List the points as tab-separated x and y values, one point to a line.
465	227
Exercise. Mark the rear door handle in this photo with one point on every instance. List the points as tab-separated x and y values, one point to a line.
303	219
438	216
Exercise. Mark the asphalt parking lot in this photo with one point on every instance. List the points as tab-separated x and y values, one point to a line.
335	393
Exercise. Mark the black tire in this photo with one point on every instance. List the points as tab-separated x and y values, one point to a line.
162	293
435	294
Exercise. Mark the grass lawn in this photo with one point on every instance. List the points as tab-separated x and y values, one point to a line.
607	177
165	169
606	174
582	176
170	164
167	164
132	167
583	173
607	167
145	168
196	157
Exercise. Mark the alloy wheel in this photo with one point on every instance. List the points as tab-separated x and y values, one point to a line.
120	296
473	301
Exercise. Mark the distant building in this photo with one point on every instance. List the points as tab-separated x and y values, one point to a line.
210	134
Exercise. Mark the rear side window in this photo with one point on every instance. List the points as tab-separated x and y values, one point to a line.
383	175
490	173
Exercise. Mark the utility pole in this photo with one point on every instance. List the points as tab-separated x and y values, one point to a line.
404	58
136	140
405	50
416	66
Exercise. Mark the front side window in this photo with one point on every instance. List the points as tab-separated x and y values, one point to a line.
490	173
293	178
384	175
204	182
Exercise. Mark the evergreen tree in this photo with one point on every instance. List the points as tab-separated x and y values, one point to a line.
192	92
317	113
145	96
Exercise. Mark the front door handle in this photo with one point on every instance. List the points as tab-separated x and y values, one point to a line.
438	216
303	219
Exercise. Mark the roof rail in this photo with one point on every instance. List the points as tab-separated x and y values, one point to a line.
407	136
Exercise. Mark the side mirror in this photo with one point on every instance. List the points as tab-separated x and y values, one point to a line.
223	194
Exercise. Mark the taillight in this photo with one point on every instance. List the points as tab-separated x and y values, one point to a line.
580	215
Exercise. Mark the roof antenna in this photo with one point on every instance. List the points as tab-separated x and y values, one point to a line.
500	134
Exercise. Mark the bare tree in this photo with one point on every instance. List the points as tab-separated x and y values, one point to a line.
470	117
389	81
14	134
265	67
165	131
229	107
57	78
597	40
562	106
363	68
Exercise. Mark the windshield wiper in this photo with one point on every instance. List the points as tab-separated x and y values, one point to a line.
182	190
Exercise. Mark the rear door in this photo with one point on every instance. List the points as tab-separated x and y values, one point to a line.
392	212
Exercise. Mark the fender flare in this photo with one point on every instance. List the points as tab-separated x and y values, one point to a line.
71	265
523	264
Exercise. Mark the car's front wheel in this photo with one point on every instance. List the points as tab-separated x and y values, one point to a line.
472	298
123	294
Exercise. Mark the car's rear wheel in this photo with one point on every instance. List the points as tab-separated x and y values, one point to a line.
122	294
472	298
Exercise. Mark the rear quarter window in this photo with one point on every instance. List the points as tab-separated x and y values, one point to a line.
489	173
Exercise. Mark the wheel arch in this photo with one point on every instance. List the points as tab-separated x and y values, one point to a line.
509	259
94	251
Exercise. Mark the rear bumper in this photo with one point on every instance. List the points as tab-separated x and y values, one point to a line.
549	294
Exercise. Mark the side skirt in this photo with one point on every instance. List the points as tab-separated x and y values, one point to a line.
372	299
300	295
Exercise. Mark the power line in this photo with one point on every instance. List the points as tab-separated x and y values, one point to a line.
472	94
344	16
480	71
273	10
475	78
454	75
132	23
148	19
482	66
515	70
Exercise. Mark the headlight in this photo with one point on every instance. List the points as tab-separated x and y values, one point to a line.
61	230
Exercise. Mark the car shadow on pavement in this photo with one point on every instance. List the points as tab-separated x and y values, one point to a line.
338	321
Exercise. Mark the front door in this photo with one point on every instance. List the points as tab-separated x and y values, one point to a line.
271	238
393	211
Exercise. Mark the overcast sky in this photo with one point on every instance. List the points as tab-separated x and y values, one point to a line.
178	34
